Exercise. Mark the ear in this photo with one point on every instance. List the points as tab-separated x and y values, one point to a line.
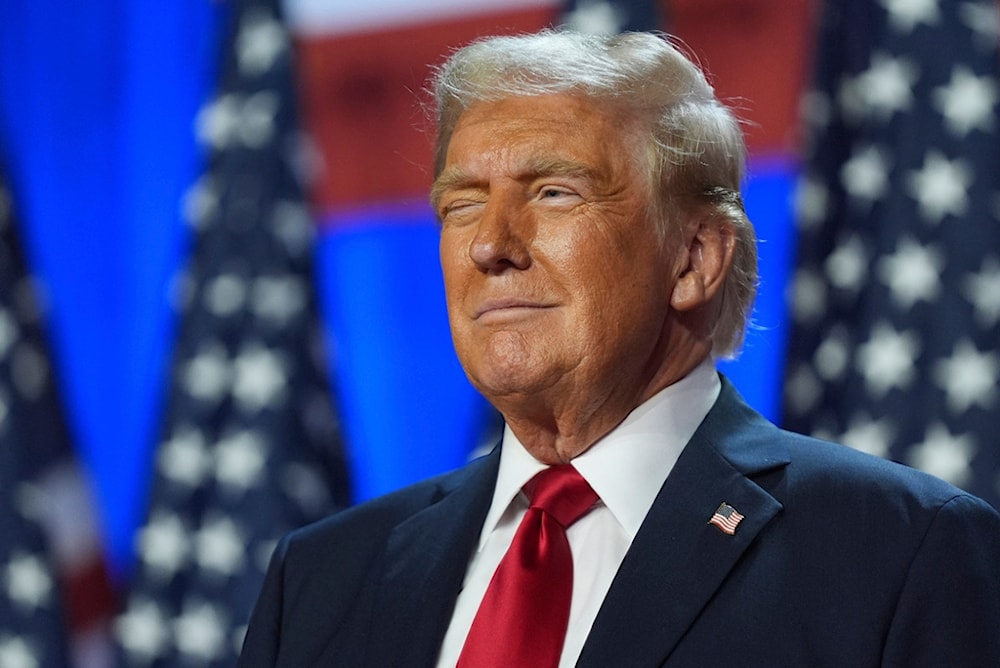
709	250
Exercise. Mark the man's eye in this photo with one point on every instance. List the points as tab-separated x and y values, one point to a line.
458	210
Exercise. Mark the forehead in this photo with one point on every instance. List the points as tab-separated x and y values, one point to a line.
561	126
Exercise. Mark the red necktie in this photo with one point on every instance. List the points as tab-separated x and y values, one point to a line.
523	617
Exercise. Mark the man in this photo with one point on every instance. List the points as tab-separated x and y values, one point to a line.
596	259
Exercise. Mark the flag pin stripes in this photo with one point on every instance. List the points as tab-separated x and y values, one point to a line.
726	518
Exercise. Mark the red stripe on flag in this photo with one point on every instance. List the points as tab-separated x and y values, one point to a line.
362	100
90	595
767	87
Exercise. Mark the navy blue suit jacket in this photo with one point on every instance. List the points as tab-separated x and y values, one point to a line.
842	560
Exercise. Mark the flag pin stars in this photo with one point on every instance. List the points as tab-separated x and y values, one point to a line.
726	518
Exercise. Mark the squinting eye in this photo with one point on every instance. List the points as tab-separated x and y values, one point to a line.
552	192
459	211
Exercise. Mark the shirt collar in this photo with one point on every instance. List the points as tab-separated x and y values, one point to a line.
627	466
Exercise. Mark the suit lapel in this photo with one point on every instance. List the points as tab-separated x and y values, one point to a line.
678	560
426	558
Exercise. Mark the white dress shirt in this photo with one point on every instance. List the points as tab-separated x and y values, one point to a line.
626	468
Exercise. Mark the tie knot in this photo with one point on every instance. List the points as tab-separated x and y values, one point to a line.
561	492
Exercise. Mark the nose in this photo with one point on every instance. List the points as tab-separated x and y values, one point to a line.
502	239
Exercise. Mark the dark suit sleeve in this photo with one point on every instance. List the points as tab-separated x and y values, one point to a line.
260	647
949	608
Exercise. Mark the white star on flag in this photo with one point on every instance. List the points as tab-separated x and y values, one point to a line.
868	435
596	17
278	298
812	198
260	41
164	544
802	388
225	294
259	377
199	631
27	581
8	332
968	102
207	376
243	119
905	15
969	377
940	186
200	202
833	354
219	546
944	454
865	175
217	122
4	410
185	458
256	127
142	630
240	459
912	272
16	653
808	295
983	290
983	18
886	360
847	265
886	87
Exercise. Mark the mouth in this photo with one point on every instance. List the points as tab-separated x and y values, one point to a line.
507	307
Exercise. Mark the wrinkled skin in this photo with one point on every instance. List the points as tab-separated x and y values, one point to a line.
567	307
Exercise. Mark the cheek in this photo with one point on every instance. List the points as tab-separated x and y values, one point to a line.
451	258
624	287
606	259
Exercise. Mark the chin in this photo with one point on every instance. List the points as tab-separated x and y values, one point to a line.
500	382
495	383
508	363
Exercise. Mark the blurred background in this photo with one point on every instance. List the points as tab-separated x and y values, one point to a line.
221	311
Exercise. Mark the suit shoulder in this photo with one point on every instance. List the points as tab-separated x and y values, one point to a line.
372	520
836	476
848	467
824	479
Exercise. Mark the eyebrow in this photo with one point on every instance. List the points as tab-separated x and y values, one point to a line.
456	177
449	179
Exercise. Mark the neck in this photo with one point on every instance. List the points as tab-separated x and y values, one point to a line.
557	432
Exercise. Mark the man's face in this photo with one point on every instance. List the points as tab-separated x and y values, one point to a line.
558	284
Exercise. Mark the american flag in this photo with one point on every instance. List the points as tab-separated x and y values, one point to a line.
55	595
250	447
607	17
896	342
726	518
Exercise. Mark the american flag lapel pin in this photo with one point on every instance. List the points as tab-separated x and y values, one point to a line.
726	518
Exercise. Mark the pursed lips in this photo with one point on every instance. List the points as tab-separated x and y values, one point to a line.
507	306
